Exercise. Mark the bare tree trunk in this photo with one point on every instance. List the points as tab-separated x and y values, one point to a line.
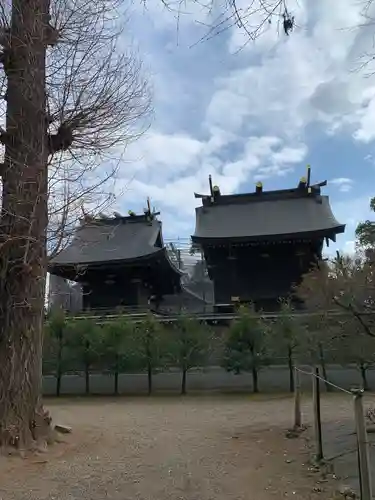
324	367
87	378
23	226
363	371
291	369
149	378
58	383
115	390
183	381
59	368
254	372
116	375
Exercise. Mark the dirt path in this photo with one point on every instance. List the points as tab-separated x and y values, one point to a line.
182	449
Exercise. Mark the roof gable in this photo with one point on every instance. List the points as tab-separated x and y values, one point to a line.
108	240
273	214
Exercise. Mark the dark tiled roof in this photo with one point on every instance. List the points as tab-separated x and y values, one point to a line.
269	214
121	239
186	299
203	289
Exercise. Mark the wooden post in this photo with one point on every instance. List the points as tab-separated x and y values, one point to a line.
297	400
363	446
317	416
202	277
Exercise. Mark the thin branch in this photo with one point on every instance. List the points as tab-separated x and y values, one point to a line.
356	314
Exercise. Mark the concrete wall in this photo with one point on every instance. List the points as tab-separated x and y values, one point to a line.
272	379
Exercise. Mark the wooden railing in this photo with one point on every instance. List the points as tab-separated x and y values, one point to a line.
138	314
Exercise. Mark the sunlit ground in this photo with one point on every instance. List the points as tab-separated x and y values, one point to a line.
207	447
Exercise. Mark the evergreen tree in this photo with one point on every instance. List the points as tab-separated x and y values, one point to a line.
54	348
245	347
148	343
189	346
118	347
85	341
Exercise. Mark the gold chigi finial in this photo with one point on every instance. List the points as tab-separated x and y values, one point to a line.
308	180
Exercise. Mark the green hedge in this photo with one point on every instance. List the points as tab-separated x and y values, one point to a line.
247	345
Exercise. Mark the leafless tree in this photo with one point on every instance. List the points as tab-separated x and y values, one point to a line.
98	104
76	190
353	346
71	95
342	292
256	17
345	286
253	18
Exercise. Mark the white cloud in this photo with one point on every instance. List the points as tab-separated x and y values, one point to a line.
366	130
275	94
290	155
157	148
353	209
350	210
248	119
349	247
264	157
177	17
228	104
173	187
307	77
344	184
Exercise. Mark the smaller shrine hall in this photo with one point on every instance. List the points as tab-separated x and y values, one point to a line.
119	261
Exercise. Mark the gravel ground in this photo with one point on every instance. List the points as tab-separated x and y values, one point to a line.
339	438
193	448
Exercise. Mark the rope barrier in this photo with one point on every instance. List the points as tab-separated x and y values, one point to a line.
341	455
363	445
324	380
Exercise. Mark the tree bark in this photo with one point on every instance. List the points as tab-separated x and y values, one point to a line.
291	369
23	226
363	370
87	378
324	368
183	381
149	378
116	374
58	382
150	359
115	390
59	364
254	372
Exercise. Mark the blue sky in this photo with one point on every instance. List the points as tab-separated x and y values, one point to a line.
263	112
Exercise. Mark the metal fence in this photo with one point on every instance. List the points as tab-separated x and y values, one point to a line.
337	429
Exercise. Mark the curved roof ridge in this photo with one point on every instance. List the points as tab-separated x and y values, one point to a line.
105	241
283	218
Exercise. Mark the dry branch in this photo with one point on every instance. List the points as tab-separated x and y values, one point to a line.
346	283
71	96
97	94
